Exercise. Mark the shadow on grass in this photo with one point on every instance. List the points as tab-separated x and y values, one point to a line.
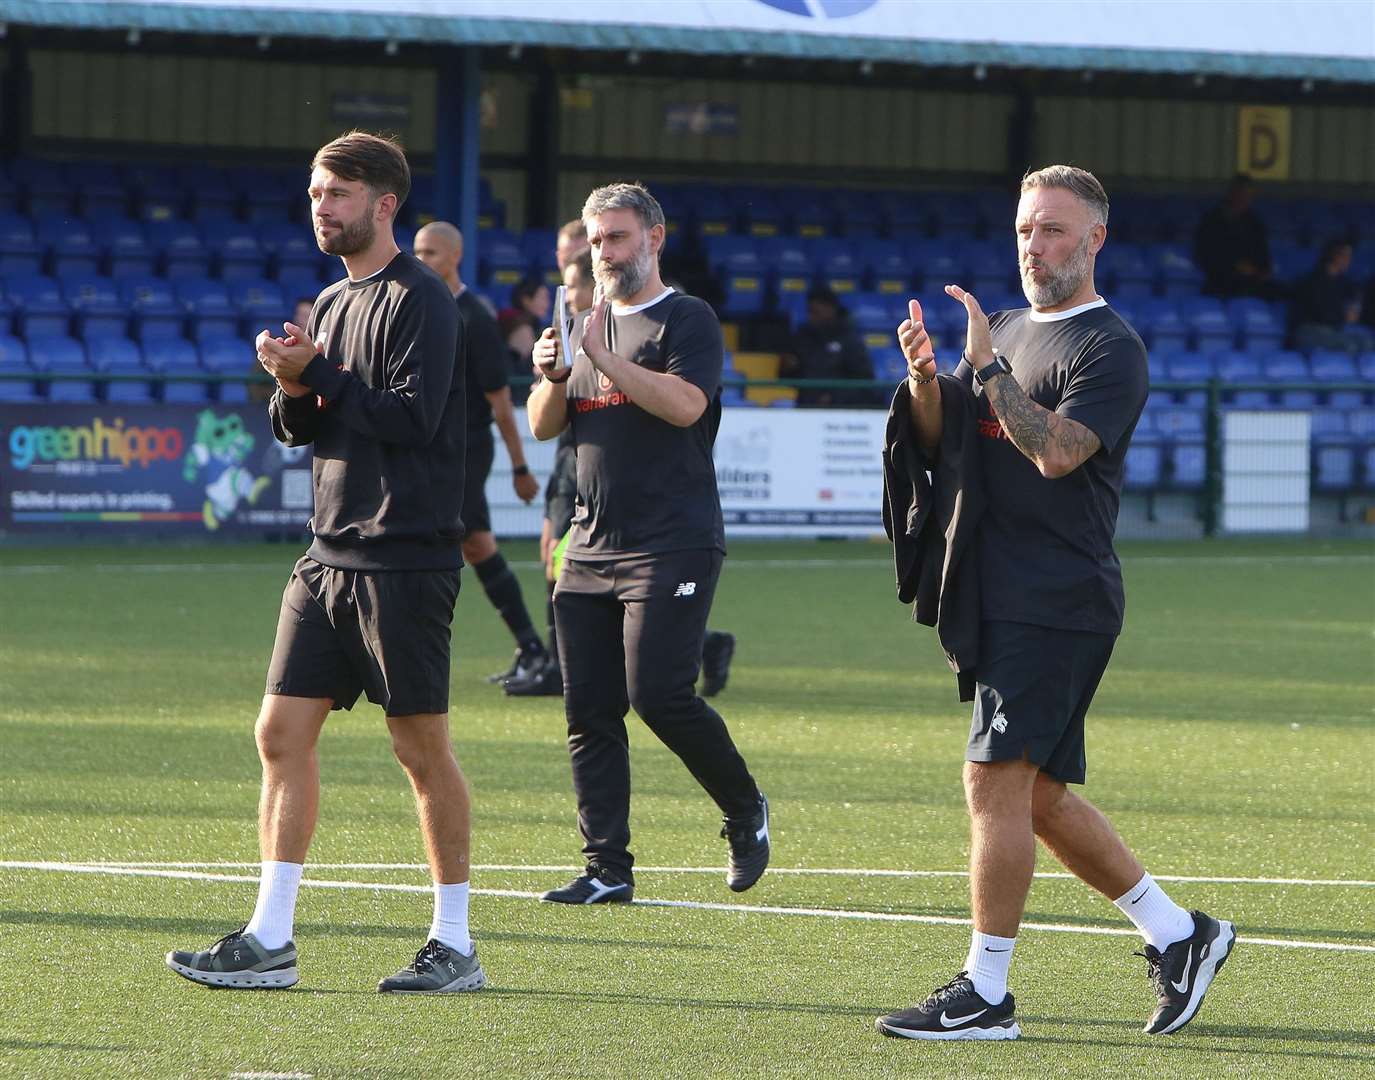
606	997
1199	1031
31	1044
200	927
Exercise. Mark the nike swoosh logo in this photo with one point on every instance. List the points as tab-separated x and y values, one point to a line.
1183	983
947	1021
987	949
1142	893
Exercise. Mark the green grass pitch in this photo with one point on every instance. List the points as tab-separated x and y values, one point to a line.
1232	738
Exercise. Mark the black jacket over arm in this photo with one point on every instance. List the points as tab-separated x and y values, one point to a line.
931	520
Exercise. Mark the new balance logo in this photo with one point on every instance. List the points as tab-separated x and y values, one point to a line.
999	722
685	588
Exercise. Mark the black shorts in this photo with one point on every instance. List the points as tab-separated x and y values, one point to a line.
342	633
1034	689
477	515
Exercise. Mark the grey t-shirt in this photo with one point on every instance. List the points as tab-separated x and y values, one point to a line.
1045	546
644	485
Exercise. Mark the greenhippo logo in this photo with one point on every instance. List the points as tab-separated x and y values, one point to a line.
96	442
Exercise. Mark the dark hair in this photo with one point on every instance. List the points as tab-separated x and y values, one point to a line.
583	261
526	288
820	294
373	160
1330	249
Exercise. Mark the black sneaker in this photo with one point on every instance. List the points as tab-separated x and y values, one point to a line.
1182	973
717	651
953	1011
595	885
238	961
749	848
527	661
547	682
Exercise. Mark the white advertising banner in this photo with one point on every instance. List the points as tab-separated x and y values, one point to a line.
804	472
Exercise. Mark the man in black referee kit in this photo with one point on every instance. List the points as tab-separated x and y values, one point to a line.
642	396
439	245
374	384
1055	391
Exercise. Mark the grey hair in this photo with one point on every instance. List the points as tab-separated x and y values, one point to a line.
625	197
1080	182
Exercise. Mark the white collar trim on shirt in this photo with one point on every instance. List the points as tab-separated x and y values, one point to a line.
616	309
1057	316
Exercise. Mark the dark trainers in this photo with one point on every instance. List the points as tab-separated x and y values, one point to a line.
1182	973
596	885
749	848
953	1011
526	662
238	961
546	682
717	651
436	969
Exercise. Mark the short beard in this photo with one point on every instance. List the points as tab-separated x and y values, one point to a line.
351	239
623	282
1060	284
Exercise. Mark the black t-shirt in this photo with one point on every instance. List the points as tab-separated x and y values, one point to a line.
486	364
386	419
644	485
1045	546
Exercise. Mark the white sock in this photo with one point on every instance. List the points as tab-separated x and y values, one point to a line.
275	913
987	965
1161	921
450	924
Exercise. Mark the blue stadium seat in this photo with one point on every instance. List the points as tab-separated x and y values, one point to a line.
173	357
61	355
904	214
1289	367
1181	424
120	356
40	308
99	310
1188	461
857	215
761	212
1128	272
14	361
211	314
1176	274
744	295
261	302
213	197
812	216
1209	324
1334	466
886	265
1145	462
47	187
70	245
990	268
1331	368
789	257
889	363
127	251
291	250
1162	327
873	313
235	247
935	264
502	260
181	250
227	355
711	212
156	312
1258	325
840	270
952	214
1361	424
19	251
1235	368
102	198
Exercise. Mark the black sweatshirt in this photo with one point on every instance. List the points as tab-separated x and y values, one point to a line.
386	418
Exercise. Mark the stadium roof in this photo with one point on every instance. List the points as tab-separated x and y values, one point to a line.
1293	39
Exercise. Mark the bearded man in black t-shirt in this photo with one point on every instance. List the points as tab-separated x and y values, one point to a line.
641	394
1057	390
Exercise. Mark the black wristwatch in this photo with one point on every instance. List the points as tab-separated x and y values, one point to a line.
999	366
521	470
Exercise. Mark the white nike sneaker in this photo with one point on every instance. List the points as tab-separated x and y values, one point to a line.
1182	973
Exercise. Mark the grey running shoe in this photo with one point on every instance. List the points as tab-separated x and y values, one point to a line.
1182	973
749	848
526	663
436	969
238	961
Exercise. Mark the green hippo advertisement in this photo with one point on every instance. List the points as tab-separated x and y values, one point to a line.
192	469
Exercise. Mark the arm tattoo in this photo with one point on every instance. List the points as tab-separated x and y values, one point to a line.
1044	436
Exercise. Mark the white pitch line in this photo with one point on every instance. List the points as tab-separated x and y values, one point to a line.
698	905
734	564
799	871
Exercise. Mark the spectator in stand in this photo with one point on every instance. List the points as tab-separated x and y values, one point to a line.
572	241
1232	246
520	324
827	346
1326	310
